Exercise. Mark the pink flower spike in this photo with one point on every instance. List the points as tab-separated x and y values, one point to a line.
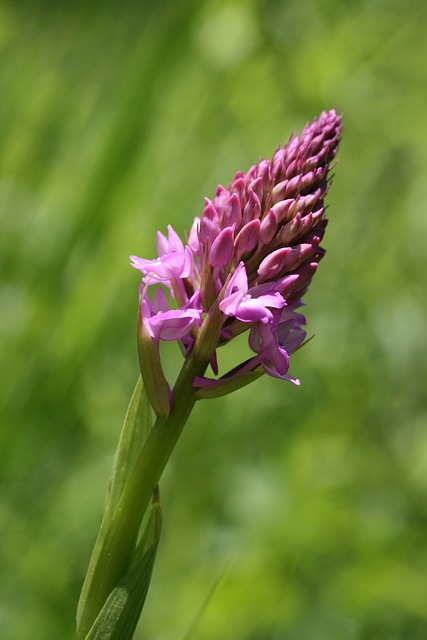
244	267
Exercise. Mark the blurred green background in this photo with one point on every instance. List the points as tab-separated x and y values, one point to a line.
117	119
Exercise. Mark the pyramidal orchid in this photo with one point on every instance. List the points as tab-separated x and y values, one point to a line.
244	267
246	264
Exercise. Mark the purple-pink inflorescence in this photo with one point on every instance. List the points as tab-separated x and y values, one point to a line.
251	255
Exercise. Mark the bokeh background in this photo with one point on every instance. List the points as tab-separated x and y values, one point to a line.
295	513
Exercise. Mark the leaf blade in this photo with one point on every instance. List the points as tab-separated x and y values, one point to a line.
120	613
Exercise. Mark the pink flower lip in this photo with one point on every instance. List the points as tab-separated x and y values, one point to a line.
240	303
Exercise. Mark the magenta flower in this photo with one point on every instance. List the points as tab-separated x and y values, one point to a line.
240	302
162	323
247	261
174	261
275	342
170	266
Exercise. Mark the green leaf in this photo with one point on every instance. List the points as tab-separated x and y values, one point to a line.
152	371
225	385
135	430
120	614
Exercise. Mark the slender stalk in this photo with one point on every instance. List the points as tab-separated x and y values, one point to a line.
116	542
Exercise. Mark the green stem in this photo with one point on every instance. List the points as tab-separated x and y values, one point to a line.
116	540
